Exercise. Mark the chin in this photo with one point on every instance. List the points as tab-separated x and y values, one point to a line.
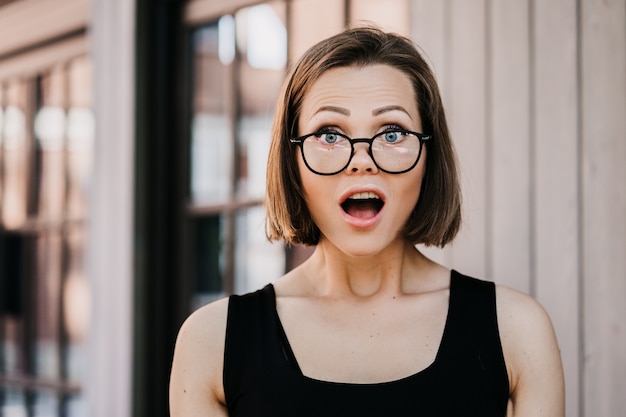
368	247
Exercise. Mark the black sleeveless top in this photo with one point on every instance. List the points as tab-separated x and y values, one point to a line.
468	377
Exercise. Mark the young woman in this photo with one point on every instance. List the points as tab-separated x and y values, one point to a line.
362	167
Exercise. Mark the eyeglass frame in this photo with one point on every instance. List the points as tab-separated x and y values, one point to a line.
422	137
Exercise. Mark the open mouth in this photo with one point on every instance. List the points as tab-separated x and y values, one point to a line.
363	205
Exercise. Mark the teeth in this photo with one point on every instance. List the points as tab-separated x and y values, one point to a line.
363	196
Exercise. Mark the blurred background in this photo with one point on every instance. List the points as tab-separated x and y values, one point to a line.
133	143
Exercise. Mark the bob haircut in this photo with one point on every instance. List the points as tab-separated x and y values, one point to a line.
436	217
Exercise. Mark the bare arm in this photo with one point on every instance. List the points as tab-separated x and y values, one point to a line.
196	387
532	355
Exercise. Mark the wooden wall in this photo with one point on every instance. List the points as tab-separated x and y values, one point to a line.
536	99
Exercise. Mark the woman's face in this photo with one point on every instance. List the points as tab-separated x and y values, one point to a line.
361	210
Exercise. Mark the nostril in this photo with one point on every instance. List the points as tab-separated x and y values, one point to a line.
362	161
357	169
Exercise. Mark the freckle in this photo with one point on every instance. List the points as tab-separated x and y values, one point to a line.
185	391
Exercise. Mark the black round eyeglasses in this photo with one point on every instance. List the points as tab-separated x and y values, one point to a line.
393	151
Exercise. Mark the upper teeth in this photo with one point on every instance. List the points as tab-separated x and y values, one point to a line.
363	196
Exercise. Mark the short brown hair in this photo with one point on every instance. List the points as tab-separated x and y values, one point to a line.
436	217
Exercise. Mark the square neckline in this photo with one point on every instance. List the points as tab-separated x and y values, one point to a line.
291	361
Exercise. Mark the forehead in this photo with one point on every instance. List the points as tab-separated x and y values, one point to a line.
370	86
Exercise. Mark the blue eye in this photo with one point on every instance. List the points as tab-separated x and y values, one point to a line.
392	136
329	137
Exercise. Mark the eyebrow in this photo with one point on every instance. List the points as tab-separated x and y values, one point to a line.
335	109
385	109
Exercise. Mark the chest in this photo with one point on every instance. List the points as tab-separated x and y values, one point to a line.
366	343
467	378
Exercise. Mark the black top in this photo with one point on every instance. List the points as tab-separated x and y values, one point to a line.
468	377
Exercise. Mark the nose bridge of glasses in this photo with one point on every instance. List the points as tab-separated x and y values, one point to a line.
366	141
362	153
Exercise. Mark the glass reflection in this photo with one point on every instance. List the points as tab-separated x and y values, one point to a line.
15	157
50	126
47	305
211	130
1	145
262	36
262	42
258	261
80	137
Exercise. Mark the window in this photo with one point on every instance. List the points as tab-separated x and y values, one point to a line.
46	135
239	62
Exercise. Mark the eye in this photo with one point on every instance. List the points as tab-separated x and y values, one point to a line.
393	136
328	137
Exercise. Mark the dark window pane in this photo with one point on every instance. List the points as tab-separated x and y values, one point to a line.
208	256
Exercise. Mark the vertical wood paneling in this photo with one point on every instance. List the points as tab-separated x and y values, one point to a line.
428	30
556	211
393	17
536	98
465	76
603	82
509	122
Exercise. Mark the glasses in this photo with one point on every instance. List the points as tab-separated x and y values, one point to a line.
393	151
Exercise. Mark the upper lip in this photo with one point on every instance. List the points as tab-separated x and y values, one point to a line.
362	189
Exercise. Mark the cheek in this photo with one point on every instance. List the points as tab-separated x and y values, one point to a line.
310	186
303	174
413	190
413	186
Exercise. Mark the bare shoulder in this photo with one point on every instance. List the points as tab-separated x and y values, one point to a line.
196	378
532	354
523	324
517	311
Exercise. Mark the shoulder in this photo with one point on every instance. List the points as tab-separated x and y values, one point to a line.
518	307
523	323
521	319
201	328
203	333
196	375
530	347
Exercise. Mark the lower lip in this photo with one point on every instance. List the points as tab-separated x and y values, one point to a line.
362	224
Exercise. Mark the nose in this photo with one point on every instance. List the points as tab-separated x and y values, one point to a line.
361	161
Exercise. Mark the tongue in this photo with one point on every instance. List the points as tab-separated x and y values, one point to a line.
361	209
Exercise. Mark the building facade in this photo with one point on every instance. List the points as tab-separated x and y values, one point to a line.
133	142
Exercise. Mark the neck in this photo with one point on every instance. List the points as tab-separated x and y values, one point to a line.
331	272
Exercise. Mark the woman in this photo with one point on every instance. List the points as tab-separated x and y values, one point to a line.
361	166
